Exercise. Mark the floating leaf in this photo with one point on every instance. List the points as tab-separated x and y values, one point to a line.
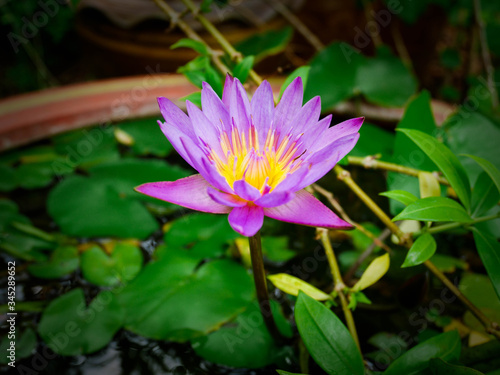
89	208
34	176
421	250
292	285
446	346
25	344
246	341
147	137
172	300
69	327
121	266
63	261
377	268
326	338
401	196
434	209
7	178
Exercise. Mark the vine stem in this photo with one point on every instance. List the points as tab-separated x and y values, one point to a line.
405	240
370	162
223	42
176	20
259	275
339	285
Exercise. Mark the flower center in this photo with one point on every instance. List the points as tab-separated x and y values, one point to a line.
244	158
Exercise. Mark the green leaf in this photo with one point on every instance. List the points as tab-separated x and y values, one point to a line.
384	80
421	250
401	196
446	346
434	209
485	195
326	338
489	251
246	340
446	161
34	176
276	249
447	263
147	137
266	43
418	115
25	344
440	367
365	145
242	69
121	266
302	72
489	168
69	327
292	285
282	372
198	46
333	74
373	273
63	261
88	207
7	178
194	98
173	300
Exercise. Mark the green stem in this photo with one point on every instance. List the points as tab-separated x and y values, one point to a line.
344	176
339	285
454	225
370	162
259	275
223	42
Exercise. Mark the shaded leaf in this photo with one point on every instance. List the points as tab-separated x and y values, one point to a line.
63	261
485	195
265	44
422	249
489	168
242	69
302	71
326	338
440	367
489	251
147	137
196	45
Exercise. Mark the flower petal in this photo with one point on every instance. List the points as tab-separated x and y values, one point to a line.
246	220
305	209
174	135
203	127
246	191
190	192
239	107
174	115
274	199
228	89
226	199
315	132
338	131
262	106
306	117
289	105
214	109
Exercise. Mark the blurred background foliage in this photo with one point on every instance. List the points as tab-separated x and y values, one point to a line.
114	281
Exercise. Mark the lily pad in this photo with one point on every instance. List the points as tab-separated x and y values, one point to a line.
63	261
121	266
172	300
69	327
147	137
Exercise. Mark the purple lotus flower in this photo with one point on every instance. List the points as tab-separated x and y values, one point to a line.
253	159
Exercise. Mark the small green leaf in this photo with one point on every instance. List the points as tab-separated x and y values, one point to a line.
147	137
421	250
266	43
440	367
242	69
121	266
69	327
7	178
25	344
326	338
489	168
489	251
447	162
34	176
194	98
198	46
373	273
485	195
292	285
401	196
434	209
446	346
63	261
302	72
